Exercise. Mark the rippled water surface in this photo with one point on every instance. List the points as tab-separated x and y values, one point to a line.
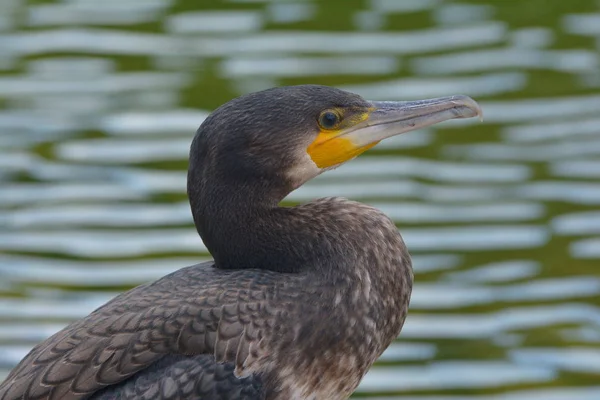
99	101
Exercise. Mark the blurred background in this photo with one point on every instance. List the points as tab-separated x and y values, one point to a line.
99	101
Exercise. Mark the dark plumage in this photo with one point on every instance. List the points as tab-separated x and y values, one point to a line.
299	301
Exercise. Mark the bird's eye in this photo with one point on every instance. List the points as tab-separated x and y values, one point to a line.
329	119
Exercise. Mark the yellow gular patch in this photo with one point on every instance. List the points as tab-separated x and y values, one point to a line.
328	149
331	147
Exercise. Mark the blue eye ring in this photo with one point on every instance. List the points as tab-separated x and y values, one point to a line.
329	119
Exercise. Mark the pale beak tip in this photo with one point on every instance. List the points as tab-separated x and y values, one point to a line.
470	106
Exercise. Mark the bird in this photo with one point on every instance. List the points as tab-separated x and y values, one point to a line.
298	301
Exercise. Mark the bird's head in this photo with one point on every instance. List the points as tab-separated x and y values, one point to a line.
283	137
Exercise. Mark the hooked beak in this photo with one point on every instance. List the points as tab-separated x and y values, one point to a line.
385	119
391	118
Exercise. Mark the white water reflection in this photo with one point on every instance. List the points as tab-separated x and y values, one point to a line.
32	270
571	192
33	86
312	42
116	215
578	359
492	324
30	193
565	191
532	37
111	243
526	151
583	334
476	238
582	24
223	22
559	108
290	12
31	127
434	262
71	68
282	67
453	375
88	12
40	309
458	14
383	166
429	213
420	138
410	88
11	355
519	58
123	151
554	130
456	295
28	332
586	248
576	169
89	41
582	223
408	351
393	6
555	393
503	271
182	121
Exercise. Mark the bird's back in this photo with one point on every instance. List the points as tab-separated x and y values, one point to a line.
199	324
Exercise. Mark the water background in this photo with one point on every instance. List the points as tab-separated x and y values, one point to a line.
99	101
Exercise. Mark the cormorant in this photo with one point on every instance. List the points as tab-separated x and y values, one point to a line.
298	302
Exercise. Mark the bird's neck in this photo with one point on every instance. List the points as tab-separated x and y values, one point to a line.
243	226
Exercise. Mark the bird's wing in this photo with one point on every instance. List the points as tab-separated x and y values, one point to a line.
183	378
196	310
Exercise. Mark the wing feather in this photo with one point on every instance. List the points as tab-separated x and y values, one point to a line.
196	310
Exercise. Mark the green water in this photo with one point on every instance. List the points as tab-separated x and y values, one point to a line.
99	102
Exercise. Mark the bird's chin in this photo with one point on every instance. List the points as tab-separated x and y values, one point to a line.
332	167
303	171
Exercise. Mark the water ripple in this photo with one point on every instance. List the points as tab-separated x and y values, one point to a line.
584	359
312	42
100	103
502	271
453	375
408	88
518	58
491	324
